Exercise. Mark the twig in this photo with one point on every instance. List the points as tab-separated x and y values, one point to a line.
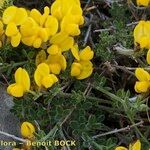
13	137
87	3
113	28
87	89
88	32
118	130
123	68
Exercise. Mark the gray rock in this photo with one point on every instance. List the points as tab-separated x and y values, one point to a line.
8	122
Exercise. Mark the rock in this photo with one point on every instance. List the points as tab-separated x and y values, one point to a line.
8	122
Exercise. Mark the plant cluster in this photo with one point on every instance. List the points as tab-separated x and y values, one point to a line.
65	90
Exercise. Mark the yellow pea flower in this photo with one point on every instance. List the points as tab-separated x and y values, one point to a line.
70	24
82	67
69	13
14	14
54	50
51	24
143	84
135	146
85	54
22	84
62	40
43	77
38	28
13	17
62	7
27	130
56	63
143	2
142	34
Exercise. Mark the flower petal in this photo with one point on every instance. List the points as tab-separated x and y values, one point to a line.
54	77
15	90
37	42
11	29
9	14
52	24
55	68
141	86
148	57
63	62
43	34
27	130
53	50
22	78
41	71
28	40
87	69
66	44
142	2
86	54
29	28
15	40
20	17
120	148
142	75
75	52
76	69
136	145
35	14
58	38
56	8
47	81
144	42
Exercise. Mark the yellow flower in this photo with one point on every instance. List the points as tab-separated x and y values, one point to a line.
62	40
43	77
70	24
82	68
143	84
38	28
60	8
14	17
142	2
142	34
54	50
27	130
56	63
69	13
22	84
135	146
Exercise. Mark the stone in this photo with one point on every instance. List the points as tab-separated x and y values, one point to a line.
8	122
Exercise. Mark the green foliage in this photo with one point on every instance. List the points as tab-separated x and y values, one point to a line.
83	109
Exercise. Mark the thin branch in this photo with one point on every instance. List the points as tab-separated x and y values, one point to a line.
88	32
13	137
118	130
113	28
